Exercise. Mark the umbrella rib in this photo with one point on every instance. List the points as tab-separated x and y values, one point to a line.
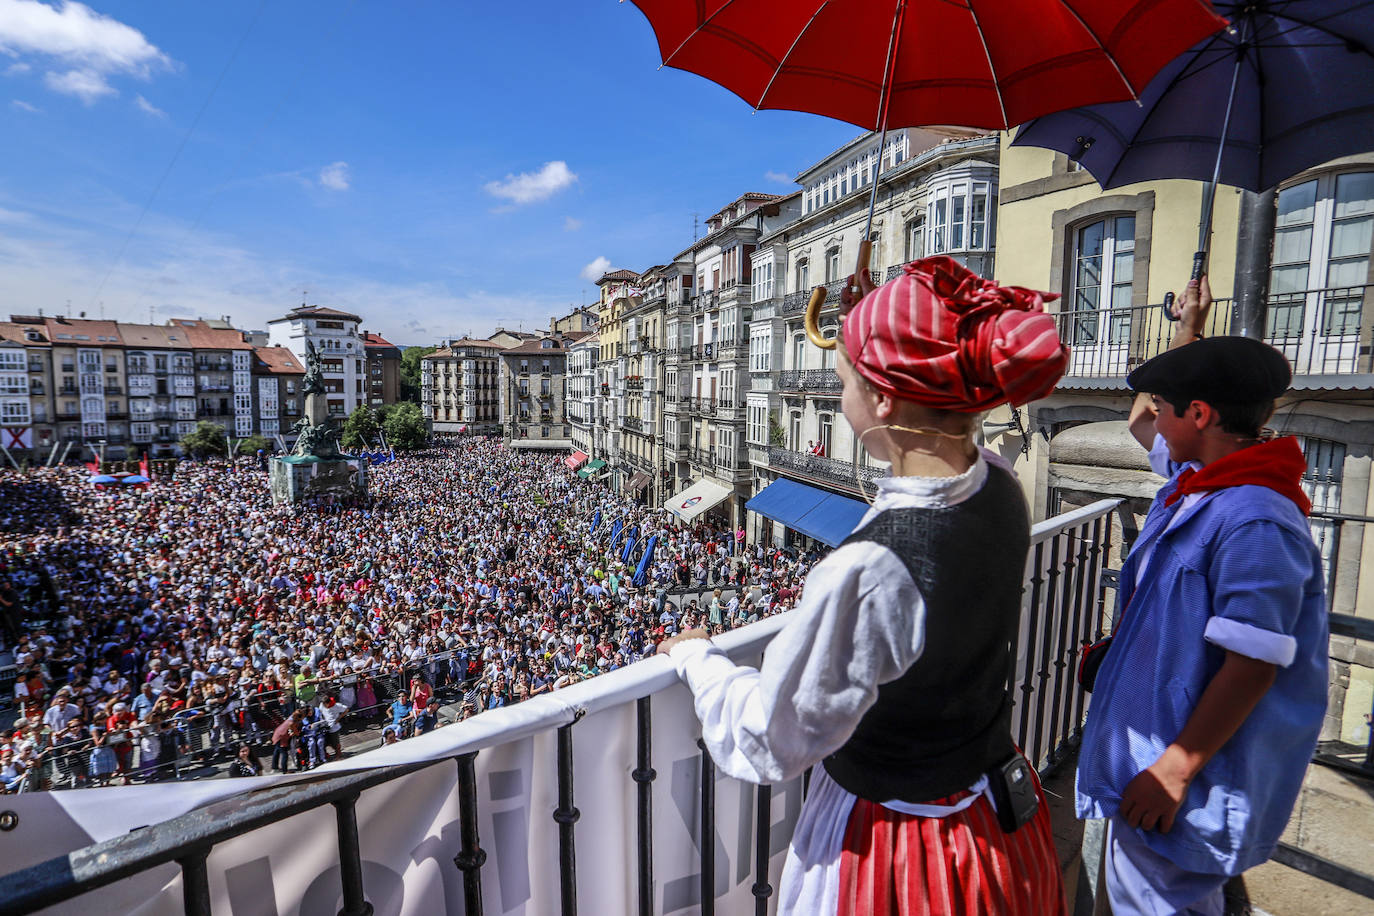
992	68
1325	31
782	63
1167	89
1111	58
697	31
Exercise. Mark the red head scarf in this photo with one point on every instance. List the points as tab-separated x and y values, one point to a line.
944	337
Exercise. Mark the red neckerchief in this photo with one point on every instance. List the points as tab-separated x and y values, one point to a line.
1277	464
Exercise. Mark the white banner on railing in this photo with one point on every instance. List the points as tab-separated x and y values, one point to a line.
409	828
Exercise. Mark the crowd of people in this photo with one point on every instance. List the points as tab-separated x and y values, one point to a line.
155	631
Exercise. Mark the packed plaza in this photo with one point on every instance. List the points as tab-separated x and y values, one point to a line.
152	639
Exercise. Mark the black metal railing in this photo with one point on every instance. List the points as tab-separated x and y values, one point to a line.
833	471
1321	331
809	380
1063	608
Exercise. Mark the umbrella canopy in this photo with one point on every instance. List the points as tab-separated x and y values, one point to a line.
1299	80
981	63
103	479
135	478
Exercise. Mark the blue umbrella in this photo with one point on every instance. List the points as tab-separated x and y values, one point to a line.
103	479
641	575
617	527
136	478
1286	87
630	540
596	520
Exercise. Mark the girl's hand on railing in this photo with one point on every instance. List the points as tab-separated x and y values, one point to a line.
667	645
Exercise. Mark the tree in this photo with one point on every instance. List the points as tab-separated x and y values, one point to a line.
360	429
252	444
777	436
205	440
410	372
404	426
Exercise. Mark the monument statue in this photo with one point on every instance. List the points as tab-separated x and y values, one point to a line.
316	468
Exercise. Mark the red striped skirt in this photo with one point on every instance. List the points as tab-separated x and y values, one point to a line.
895	864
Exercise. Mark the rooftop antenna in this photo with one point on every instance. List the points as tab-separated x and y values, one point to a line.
695	223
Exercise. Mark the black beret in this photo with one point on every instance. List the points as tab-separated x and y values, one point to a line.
1217	370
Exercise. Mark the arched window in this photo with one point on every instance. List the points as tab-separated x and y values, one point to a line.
1100	295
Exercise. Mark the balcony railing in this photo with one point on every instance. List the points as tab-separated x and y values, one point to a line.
702	456
827	470
1321	331
624	741
809	380
703	407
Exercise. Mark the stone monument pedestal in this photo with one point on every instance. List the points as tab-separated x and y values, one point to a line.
296	479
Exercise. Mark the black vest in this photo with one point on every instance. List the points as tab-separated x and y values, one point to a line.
947	719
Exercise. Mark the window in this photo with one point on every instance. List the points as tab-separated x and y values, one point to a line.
794	430
798	349
915	239
939	224
827	433
803	275
1322	484
832	265
1322	240
1104	269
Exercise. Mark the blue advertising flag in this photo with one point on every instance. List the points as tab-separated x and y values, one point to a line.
596	519
630	540
641	576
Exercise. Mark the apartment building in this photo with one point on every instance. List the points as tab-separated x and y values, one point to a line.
460	387
383	369
938	195
343	355
26	396
532	391
1112	255
88	377
278	401
580	404
159	365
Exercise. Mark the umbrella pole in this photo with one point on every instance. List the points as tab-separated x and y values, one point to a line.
1209	189
811	321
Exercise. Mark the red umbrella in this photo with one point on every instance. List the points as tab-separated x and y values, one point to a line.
907	63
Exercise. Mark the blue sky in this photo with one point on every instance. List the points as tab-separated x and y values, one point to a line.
438	167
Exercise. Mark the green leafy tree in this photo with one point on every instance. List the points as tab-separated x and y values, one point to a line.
360	429
205	440
251	445
404	426
776	435
410	372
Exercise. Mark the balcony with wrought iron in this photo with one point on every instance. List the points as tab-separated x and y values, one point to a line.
703	407
633	424
831	471
706	300
1327	335
703	457
810	381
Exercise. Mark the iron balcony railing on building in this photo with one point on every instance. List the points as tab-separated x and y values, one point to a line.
1323	332
809	380
833	471
706	300
701	456
703	407
634	424
1063	609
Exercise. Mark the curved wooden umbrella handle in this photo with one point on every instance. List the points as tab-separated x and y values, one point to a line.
813	320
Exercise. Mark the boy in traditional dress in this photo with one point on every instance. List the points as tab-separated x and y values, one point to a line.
1210	698
891	674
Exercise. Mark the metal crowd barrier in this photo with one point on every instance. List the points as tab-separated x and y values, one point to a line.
1064	605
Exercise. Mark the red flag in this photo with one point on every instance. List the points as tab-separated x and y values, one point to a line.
143	466
93	467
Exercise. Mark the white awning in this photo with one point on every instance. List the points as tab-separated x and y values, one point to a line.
696	499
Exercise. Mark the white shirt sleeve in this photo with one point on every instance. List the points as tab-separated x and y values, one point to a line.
861	623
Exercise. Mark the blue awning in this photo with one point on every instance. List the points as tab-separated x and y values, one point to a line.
827	517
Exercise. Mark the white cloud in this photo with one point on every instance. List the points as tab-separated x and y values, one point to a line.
13	216
87	85
777	177
571	225
148	107
594	271
90	46
77	35
25	106
335	176
531	187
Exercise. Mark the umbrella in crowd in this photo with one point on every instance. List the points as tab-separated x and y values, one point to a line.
641	575
135	479
101	480
1287	86
882	64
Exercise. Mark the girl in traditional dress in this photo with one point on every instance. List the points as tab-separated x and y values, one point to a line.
890	677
